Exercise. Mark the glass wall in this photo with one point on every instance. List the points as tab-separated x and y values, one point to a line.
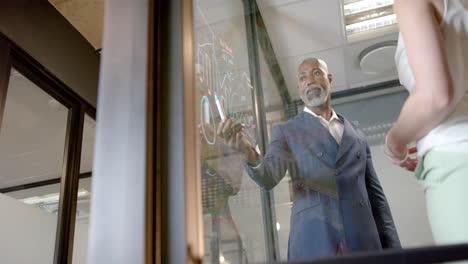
32	144
40	132
232	205
278	183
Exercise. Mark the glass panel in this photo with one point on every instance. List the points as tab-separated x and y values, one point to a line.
289	74
374	116
80	246
232	207
32	146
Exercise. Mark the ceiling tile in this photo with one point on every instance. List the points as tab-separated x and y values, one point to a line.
355	76
303	27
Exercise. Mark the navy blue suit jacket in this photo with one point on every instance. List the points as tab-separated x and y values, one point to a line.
338	205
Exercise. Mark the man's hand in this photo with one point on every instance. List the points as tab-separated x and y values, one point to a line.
234	138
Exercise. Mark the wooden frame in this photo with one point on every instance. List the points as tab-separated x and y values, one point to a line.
193	190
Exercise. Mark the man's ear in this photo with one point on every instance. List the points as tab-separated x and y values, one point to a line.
330	77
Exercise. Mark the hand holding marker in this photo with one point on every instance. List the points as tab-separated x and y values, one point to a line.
218	105
232	128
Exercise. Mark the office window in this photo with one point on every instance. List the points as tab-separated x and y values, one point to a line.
279	182
234	230
32	144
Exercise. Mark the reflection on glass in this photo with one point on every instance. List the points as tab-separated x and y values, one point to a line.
32	142
332	189
80	244
233	227
375	116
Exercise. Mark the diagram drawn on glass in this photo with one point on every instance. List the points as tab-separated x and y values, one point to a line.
217	76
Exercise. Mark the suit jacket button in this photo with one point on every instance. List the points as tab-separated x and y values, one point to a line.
336	172
320	154
359	155
361	203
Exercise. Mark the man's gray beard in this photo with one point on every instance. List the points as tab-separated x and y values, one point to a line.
315	101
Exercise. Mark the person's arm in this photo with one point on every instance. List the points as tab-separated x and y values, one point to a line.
269	170
380	208
431	101
265	171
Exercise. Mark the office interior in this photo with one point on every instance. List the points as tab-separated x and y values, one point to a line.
108	120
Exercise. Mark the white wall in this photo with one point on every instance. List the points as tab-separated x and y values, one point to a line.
27	234
80	246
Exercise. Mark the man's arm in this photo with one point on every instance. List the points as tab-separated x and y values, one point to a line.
269	170
380	208
266	171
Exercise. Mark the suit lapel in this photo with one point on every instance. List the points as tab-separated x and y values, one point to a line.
316	130
318	138
348	139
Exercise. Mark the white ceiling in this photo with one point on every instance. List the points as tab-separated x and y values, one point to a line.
32	135
302	27
315	28
298	29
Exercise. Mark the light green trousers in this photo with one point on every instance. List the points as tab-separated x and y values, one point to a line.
444	176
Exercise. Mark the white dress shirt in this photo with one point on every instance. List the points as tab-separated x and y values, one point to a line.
335	125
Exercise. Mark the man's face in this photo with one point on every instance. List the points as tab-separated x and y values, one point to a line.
313	81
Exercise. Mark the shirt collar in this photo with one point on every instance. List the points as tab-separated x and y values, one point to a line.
333	115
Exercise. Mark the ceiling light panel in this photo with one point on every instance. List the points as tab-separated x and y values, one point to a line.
366	15
371	24
49	202
365	5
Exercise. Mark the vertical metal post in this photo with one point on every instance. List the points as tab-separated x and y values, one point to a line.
271	60
69	186
171	134
271	236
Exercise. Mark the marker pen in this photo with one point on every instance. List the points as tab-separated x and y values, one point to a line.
218	105
206	110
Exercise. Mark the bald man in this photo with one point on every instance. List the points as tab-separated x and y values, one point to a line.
338	202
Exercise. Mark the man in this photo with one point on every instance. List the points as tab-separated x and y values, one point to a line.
338	205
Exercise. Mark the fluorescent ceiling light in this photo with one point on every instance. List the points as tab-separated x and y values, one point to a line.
52	198
365	5
365	15
370	24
